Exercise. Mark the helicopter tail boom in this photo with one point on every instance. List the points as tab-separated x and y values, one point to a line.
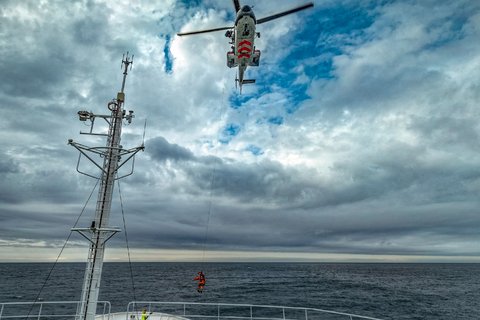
244	81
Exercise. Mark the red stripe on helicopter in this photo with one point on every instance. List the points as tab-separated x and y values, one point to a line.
241	43
244	49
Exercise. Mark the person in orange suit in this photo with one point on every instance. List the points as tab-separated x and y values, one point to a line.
201	281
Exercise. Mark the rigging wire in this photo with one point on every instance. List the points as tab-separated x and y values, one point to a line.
61	251
126	240
125	229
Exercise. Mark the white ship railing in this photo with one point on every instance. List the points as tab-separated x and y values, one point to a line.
49	310
224	311
161	310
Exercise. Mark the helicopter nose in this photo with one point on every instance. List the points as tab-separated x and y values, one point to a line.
246	9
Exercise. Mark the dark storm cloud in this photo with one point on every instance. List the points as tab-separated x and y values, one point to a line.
8	165
9	171
355	214
443	131
43	185
266	180
33	70
90	30
40	120
161	150
29	224
388	231
396	169
28	78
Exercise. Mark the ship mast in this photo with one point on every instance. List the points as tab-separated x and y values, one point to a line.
114	157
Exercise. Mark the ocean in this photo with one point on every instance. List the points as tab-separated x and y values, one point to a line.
388	291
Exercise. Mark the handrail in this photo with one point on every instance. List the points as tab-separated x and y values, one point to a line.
46	309
306	311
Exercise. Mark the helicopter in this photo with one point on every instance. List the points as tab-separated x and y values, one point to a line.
242	36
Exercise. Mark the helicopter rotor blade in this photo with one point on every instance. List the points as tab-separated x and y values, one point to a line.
284	13
202	31
236	4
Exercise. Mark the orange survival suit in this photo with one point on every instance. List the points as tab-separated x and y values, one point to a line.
201	281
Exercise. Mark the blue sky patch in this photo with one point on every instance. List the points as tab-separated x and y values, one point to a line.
168	54
191	3
229	132
237	100
256	151
315	47
338	27
454	32
278	120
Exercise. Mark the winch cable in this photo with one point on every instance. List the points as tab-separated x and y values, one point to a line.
128	246
61	251
212	182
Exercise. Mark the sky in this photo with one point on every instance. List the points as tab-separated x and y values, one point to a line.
359	142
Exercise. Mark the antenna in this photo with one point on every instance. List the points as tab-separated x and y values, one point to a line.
144	129
126	61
